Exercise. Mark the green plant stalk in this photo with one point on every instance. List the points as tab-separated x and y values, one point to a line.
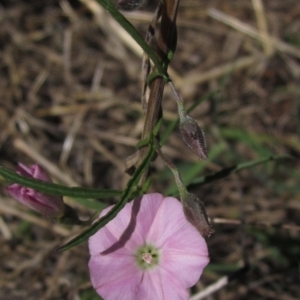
133	181
193	208
109	6
56	189
227	171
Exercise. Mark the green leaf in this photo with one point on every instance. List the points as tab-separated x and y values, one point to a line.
90	203
109	6
56	189
130	188
227	171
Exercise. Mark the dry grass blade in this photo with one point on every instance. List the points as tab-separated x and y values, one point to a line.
194	78
111	26
249	30
211	289
262	25
67	60
107	154
39	221
22	146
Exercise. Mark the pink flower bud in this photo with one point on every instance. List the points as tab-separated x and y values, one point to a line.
47	205
195	213
193	136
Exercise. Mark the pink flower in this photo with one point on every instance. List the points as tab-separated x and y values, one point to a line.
149	251
47	205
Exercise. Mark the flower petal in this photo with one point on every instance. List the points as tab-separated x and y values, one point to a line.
184	251
156	221
169	220
147	213
115	276
117	233
48	205
187	267
34	171
130	227
158	284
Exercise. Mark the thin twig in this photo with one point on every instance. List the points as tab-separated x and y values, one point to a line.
258	224
211	289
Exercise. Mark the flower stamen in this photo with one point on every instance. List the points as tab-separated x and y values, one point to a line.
147	257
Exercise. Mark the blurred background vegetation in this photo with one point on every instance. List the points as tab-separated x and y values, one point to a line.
70	89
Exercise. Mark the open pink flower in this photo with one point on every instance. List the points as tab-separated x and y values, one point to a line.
47	205
149	251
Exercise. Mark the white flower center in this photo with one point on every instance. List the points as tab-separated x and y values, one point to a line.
147	257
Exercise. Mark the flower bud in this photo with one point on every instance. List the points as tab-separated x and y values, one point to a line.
47	205
195	213
193	136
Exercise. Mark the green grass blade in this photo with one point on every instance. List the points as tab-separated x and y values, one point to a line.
118	206
230	170
90	203
109	6
56	189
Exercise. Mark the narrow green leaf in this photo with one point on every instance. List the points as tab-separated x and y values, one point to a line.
90	203
56	189
227	171
109	6
133	181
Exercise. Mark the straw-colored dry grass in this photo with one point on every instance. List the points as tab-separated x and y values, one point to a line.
70	100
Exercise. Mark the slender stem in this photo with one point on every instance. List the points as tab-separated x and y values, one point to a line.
164	44
179	182
179	100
